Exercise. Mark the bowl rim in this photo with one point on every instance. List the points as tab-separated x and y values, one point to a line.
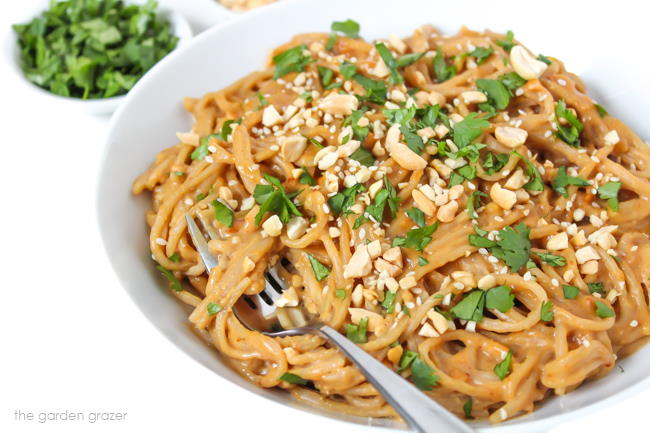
520	425
180	27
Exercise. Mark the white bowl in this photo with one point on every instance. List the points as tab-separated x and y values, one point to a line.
153	112
179	26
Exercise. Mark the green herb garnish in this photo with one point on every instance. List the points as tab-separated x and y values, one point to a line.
570	292
213	308
174	284
175	257
274	199
552	259
223	213
416	238
423	375
497	93
609	192
341	202
442	70
388	303
570	133
508	42
320	270
535	183
603	311
357	333
562	181
546	312
306	179
291	60
341	293
500	298
417	216
363	156
502	369
469	129
293	379
93	50
596	288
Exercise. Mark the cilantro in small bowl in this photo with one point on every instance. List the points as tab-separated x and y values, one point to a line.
92	52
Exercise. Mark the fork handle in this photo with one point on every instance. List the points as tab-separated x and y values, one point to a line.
421	412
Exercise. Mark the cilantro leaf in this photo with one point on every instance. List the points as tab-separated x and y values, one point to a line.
473	203
325	75
357	333
552	259
467	408
174	284
406	360
442	70
497	93
513	246
603	311
543	58
546	312
388	303
273	199
359	132
402	116
502	369
320	270
416	238
494	162
470	307
609	191
570	133
562	181
481	54
341	293
176	258
223	213
389	60
376	91
508	42
423	375
535	183
422	261
570	292
306	179
469	129
597	287
417	216
349	28
413	141
601	110
408	59
500	298
341	202
347	70
213	308
293	379
512	80
363	156
291	60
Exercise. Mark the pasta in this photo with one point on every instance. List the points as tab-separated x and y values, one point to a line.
454	204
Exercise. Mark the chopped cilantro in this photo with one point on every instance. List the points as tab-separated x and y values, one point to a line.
293	379
341	202
467	408
481	54
500	298
596	288
513	246
442	70
274	199
603	311
408	59
562	181
502	369
552	259
508	42
305	178
416	238
363	156
326	75
389	60
609	192
174	284
357	333
341	293
213	308
469	129
470	307
417	216
494	162
423	375
347	70
543	58
570	133
570	292
406	360
175	257
535	183
546	313
601	110
422	261
497	93
223	213
320	270
291	60
473	203
376	91
262	100
388	303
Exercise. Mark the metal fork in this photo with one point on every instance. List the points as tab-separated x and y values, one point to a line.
421	412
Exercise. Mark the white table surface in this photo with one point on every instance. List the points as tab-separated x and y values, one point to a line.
71	338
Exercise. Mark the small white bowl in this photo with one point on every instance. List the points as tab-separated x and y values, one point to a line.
179	26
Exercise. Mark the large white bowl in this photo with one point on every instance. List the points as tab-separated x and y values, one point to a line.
606	50
179	27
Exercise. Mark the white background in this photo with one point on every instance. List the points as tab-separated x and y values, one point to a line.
71	338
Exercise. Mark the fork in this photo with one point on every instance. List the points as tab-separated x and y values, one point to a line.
422	413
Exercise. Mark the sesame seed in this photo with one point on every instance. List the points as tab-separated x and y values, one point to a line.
493	259
634	323
209	159
555	282
161	241
594	158
561	82
528	276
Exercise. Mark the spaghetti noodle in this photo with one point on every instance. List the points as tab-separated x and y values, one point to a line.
457	206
